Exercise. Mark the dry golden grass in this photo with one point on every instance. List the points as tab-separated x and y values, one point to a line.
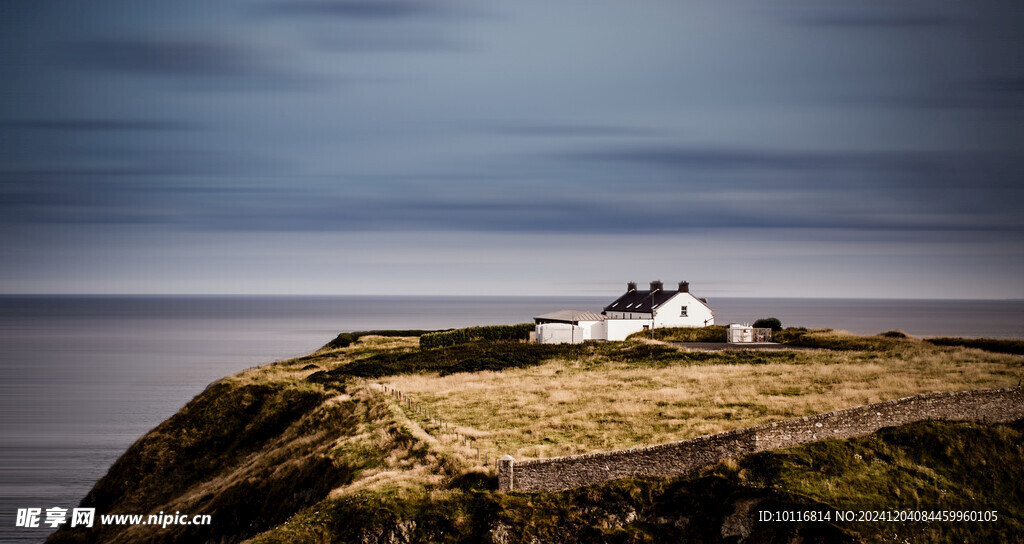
576	406
373	342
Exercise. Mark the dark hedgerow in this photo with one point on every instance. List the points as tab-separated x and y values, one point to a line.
470	357
454	337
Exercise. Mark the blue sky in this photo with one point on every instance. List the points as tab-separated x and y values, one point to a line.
796	148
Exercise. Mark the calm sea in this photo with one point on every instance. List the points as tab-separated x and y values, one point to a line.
83	377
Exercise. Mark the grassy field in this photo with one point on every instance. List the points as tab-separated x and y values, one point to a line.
597	401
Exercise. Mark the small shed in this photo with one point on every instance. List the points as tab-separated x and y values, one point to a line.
747	334
569	327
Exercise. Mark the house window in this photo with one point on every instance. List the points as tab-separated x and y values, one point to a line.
682	311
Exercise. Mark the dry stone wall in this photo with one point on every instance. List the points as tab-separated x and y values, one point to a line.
689	456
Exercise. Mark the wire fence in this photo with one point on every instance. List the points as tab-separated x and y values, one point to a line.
444	428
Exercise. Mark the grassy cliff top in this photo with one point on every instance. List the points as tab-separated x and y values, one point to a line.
300	439
594	397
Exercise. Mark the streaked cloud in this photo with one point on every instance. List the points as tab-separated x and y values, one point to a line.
905	15
174	58
368	41
203	63
373	10
811	122
93	125
895	21
570	130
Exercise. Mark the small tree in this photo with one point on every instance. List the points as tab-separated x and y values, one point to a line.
772	323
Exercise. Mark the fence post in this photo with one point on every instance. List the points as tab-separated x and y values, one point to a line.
505	473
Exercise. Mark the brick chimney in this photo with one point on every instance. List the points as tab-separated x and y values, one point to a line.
657	286
684	287
631	286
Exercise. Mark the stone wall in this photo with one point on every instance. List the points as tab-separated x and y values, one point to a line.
689	456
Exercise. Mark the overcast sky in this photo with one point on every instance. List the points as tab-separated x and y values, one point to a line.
812	148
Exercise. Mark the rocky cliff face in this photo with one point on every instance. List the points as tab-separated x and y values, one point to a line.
250	455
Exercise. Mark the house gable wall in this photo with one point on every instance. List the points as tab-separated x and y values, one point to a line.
697	313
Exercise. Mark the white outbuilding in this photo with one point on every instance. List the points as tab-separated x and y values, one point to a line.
569	327
745	333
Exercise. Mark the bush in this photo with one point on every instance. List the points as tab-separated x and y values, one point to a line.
455	337
772	323
893	334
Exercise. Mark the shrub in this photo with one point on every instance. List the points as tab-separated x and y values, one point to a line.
893	334
772	323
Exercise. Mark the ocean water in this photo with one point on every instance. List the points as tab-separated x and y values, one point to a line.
83	377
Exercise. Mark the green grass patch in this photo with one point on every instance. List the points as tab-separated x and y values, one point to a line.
889	342
346	339
923	466
1015	347
711	333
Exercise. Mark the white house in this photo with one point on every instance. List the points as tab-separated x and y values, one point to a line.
638	310
632	312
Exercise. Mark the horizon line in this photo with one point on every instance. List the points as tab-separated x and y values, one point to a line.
447	295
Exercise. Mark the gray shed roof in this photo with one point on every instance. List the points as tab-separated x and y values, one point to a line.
568	316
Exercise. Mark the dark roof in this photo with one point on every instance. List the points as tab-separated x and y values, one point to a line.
640	301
